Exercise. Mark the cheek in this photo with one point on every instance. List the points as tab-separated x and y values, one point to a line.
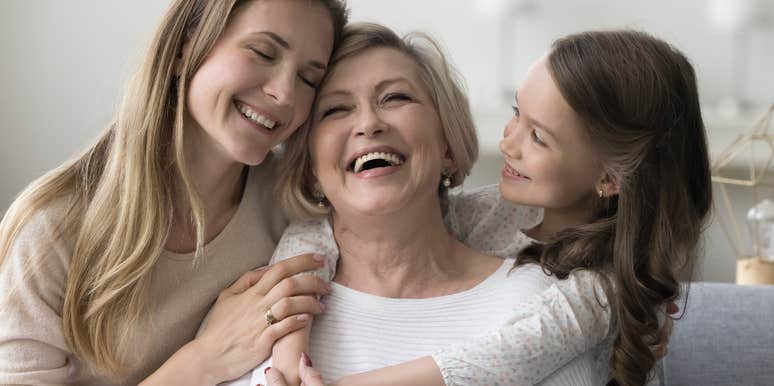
303	105
325	149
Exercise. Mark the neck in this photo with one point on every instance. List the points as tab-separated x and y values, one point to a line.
405	254
217	180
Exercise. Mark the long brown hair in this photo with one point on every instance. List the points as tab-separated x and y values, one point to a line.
639	104
119	191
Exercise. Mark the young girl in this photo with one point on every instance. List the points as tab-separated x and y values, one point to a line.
109	262
607	138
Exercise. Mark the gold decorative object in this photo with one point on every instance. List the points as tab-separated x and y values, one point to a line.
746	168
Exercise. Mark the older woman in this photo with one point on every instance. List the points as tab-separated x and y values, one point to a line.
391	132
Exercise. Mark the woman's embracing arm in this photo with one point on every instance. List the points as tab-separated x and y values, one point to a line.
562	322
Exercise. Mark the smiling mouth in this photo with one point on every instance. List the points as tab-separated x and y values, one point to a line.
510	170
375	160
255	117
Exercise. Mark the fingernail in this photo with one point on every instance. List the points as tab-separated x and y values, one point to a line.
302	317
266	371
306	359
318	258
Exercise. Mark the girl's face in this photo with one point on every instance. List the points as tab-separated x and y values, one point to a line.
377	144
549	161
257	85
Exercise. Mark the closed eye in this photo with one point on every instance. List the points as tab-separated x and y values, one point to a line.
262	54
397	97
307	81
516	111
333	110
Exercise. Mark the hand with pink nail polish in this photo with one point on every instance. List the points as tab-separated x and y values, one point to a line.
309	376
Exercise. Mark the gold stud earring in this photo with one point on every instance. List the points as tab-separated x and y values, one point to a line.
319	197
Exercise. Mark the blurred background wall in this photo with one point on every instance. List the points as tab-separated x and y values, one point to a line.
63	65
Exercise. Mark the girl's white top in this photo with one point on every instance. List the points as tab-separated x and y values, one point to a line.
516	327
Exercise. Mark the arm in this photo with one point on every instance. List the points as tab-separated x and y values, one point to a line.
484	221
234	336
562	322
33	349
315	236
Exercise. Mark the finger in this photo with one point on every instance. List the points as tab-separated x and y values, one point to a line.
274	377
309	376
296	305
285	326
247	280
295	286
672	308
287	268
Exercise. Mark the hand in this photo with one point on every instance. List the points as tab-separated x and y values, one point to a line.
309	376
665	332
238	337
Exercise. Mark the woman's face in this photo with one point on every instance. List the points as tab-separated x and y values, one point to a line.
549	161
257	84
376	143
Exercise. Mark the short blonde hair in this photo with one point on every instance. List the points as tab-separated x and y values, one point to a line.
440	80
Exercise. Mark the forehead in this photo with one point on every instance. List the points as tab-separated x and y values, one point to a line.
305	25
368	68
539	98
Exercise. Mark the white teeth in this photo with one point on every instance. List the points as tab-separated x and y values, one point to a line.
255	117
391	158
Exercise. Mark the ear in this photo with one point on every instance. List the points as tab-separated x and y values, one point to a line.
607	185
448	161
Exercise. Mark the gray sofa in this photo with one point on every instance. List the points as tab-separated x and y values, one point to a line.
726	337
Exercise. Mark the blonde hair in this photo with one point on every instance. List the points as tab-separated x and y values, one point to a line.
440	80
119	191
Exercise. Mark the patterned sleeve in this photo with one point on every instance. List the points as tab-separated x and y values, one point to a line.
310	236
486	222
564	321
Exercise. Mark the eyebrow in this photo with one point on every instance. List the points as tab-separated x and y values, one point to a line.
387	82
545	127
379	87
284	43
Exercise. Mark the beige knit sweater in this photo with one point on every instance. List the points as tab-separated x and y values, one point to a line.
32	346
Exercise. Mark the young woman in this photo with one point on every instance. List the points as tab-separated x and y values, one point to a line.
608	139
109	262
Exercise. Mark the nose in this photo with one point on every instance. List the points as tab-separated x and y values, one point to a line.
281	85
512	140
369	123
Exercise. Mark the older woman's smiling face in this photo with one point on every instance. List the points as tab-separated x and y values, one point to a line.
377	145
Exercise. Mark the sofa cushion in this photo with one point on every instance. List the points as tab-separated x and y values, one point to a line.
726	337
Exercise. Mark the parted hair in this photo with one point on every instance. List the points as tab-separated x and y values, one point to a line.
120	190
638	100
439	78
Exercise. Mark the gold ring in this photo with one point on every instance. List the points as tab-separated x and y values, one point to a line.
270	319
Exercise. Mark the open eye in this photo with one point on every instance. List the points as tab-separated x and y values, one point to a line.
537	139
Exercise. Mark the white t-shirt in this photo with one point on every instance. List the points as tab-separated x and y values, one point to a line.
522	328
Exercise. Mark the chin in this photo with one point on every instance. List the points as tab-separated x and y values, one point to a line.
250	159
